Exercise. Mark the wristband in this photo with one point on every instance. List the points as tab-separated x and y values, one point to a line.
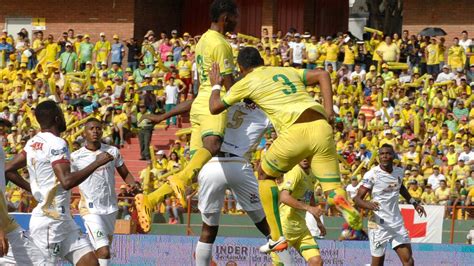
216	87
413	202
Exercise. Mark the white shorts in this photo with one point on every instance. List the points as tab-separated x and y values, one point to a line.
100	228
380	237
232	173
23	250
313	225
58	239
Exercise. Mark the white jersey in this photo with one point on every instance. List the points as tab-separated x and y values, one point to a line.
244	130
98	190
385	189
42	152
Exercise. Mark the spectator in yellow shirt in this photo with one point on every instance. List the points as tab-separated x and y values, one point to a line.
174	162
388	51
184	67
428	197
330	49
414	190
120	124
442	193
432	57
350	54
102	50
52	50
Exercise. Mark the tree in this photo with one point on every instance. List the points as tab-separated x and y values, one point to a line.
385	15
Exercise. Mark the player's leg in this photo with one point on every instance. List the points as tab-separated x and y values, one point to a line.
405	254
211	131
146	204
100	230
309	249
401	245
286	151
24	250
77	249
212	185
325	166
378	245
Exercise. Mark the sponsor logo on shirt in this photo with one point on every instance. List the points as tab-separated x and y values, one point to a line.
254	198
59	151
37	146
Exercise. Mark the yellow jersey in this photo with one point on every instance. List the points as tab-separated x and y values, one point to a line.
102	50
52	52
300	185
279	91
212	47
184	68
432	51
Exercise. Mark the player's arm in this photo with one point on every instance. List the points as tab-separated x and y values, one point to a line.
287	199
404	192
320	224
68	179
127	176
238	92
3	242
360	202
11	173
181	108
321	77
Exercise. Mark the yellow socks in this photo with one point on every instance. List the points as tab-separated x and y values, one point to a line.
269	196
199	159
159	195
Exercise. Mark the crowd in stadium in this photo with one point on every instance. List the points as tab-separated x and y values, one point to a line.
413	92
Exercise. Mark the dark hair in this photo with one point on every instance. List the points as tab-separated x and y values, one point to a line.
93	120
46	113
249	57
219	7
388	146
464	31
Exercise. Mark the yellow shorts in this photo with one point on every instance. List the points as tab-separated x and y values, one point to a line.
204	124
313	141
304	243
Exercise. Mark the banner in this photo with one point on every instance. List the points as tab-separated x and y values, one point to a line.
423	229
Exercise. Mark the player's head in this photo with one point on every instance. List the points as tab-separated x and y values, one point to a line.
93	130
248	59
386	155
225	12
50	116
305	164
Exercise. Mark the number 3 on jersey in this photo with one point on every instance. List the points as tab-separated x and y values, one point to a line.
201	68
286	82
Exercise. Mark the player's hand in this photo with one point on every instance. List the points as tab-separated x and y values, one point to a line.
421	211
215	75
3	243
322	229
315	211
373	206
104	158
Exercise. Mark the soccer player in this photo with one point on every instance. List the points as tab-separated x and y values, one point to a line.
385	185
207	129
302	126
99	202
230	169
297	198
46	156
11	234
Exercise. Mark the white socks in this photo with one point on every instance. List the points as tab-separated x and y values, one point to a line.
104	262
203	254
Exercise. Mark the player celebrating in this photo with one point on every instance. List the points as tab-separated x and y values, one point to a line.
99	201
46	156
297	198
384	183
207	129
302	127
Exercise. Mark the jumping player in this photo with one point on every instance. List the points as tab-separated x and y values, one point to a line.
302	126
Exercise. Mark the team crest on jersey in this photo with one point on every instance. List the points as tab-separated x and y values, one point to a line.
254	198
100	234
227	64
55	249
59	151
